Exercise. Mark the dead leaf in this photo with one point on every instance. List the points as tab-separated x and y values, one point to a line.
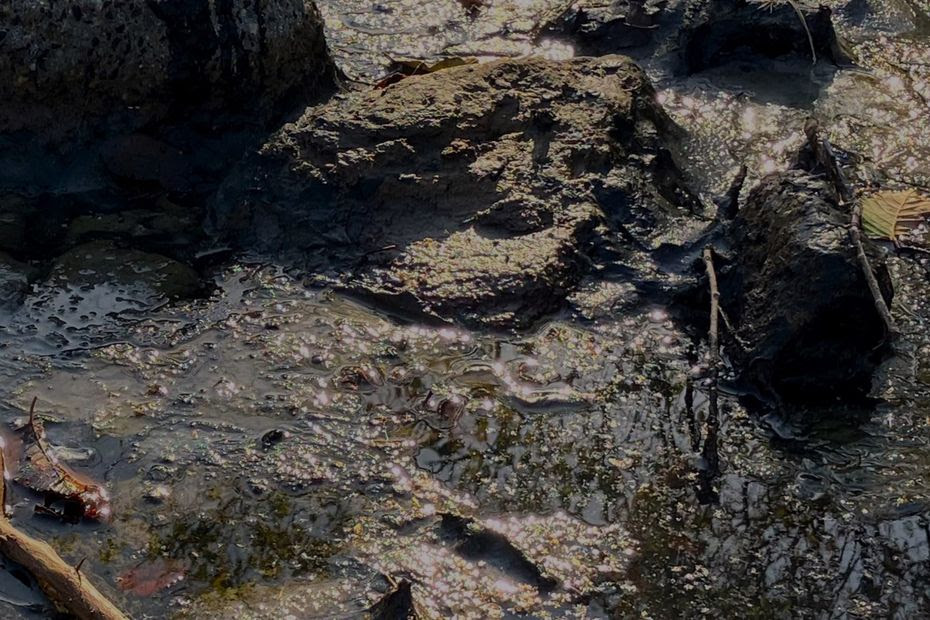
42	471
892	215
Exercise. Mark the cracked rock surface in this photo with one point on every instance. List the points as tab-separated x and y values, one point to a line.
475	193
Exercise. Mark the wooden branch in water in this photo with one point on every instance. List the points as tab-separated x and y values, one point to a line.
62	583
710	454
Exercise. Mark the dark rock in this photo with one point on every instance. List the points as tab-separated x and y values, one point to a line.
14	282
141	277
807	326
65	66
474	192
597	28
717	31
130	105
14	213
395	605
163	227
139	159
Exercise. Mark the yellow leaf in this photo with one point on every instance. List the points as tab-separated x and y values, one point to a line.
889	215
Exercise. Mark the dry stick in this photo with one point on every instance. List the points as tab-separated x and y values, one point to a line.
855	233
61	582
706	492
824	155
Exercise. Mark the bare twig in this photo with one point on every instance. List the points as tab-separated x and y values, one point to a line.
807	30
825	156
855	233
63	584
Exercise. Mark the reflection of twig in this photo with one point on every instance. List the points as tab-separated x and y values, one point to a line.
710	455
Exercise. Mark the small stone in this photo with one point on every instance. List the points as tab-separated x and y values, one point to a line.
157	494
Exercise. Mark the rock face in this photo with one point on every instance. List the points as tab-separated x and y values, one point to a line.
66	65
807	322
472	192
715	31
14	282
596	28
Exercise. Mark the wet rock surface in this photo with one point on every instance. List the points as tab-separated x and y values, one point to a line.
275	450
596	28
715	31
477	190
807	325
66	66
14	281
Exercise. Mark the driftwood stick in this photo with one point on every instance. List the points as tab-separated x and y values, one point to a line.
823	153
63	584
711	469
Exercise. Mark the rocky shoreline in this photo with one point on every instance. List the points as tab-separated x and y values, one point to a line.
146	148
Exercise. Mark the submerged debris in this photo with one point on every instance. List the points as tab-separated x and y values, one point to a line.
151	577
43	472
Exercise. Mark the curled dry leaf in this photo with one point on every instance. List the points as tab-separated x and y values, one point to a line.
892	215
42	471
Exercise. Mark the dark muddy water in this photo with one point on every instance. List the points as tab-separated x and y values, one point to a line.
274	450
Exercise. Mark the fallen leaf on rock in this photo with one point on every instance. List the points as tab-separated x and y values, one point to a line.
153	576
42	471
891	215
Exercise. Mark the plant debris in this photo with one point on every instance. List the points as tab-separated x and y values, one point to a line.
890	216
42	471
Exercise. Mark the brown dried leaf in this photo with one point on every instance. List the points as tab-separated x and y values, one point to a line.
41	471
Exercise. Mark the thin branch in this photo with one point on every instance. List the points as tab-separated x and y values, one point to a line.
807	30
825	156
855	233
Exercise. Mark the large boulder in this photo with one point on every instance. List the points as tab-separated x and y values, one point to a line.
807	328
67	65
472	193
